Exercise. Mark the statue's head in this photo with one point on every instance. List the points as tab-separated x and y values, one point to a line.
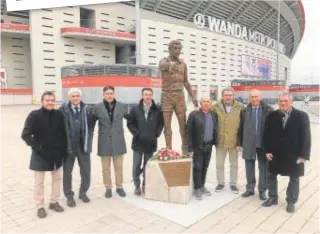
175	48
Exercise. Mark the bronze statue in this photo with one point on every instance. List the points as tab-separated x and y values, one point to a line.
174	75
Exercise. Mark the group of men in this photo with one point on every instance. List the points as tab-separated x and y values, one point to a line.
280	140
60	136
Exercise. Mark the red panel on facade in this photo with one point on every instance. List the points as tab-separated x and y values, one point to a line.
303	90
260	87
116	81
16	91
97	32
15	27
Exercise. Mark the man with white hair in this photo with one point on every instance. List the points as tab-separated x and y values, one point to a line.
202	129
252	120
79	141
287	144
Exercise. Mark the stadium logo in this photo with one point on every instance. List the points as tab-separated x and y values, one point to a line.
236	30
199	20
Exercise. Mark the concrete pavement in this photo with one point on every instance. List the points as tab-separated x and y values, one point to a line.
18	214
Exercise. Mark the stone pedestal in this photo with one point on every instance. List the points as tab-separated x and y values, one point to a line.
169	181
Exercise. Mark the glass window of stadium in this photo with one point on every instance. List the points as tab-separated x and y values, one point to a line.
87	18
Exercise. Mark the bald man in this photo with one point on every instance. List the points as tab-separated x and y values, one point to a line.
202	128
252	120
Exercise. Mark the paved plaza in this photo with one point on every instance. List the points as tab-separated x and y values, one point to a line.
242	215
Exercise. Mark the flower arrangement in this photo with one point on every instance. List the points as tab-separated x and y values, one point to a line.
167	154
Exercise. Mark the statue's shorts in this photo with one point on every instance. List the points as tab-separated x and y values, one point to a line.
173	100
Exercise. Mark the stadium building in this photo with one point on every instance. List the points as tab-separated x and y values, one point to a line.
95	45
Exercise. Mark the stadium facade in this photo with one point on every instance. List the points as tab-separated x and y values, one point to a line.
52	49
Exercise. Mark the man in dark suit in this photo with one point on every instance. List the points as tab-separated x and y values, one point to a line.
202	130
252	122
44	132
79	139
111	140
145	122
287	143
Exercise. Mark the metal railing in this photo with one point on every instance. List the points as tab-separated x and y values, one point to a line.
117	69
257	82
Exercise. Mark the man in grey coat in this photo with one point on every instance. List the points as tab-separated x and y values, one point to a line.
111	140
79	142
252	120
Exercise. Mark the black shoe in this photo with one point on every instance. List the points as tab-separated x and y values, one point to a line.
219	188
137	191
234	189
71	202
290	208
205	191
56	207
198	194
121	192
42	213
263	196
84	198
108	193
271	201
247	194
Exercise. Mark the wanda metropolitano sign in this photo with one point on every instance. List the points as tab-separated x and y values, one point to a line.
237	31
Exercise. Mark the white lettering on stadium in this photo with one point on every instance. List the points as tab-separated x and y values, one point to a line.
236	30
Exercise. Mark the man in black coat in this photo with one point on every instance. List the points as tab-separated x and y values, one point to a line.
202	130
145	122
44	132
250	133
287	143
79	138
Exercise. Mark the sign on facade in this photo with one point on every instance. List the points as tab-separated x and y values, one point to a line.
237	31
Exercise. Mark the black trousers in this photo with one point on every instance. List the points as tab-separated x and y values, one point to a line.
201	161
138	168
293	188
251	173
85	170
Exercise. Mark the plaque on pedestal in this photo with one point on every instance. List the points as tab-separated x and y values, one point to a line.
169	180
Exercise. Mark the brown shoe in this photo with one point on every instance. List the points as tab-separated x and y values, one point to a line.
56	207
143	189
42	213
137	191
